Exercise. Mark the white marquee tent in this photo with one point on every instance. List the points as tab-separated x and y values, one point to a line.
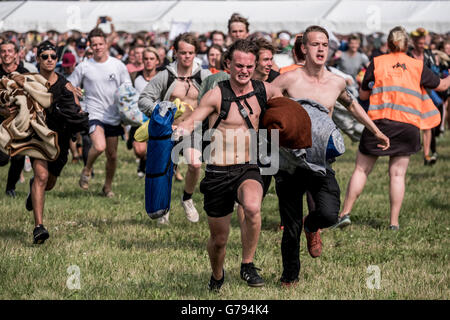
341	16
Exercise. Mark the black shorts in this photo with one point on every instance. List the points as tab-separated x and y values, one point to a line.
55	167
267	179
220	185
110	130
4	159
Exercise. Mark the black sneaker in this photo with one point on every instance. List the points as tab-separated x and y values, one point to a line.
215	285
249	273
40	234
29	202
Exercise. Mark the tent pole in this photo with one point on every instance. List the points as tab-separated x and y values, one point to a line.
13	10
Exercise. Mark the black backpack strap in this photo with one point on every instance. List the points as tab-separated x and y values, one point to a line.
170	79
160	174
244	113
197	77
260	92
227	98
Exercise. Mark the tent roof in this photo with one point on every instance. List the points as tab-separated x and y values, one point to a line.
268	16
381	16
340	16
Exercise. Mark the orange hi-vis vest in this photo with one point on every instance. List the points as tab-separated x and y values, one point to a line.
397	95
290	68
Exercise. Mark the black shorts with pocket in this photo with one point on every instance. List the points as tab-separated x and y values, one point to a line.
55	167
220	185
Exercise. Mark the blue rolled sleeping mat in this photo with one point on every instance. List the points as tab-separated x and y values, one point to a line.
159	165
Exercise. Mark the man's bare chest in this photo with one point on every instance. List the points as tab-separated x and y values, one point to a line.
324	93
185	91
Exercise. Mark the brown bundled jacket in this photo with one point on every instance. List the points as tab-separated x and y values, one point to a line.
292	121
25	131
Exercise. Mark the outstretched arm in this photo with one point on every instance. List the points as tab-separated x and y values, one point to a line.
208	104
443	84
358	112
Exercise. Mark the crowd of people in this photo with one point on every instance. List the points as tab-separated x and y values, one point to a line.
385	91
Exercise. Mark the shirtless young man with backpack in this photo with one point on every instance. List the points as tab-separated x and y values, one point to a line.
232	175
181	79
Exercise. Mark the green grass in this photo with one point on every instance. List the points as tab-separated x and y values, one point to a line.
123	254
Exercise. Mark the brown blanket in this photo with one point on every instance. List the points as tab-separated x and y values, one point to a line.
292	121
25	132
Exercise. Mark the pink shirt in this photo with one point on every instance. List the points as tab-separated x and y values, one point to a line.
132	68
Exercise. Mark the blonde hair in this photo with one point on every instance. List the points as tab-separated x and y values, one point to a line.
398	40
152	50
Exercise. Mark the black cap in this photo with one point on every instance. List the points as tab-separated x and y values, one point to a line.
82	43
44	46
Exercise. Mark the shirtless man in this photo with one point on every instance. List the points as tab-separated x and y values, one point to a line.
316	83
230	178
185	76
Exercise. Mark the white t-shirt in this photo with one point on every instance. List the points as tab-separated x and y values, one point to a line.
140	83
100	83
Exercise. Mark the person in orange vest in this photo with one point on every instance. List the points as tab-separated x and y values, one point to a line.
400	108
421	51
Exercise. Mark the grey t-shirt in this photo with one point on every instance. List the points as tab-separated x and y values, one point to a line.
352	64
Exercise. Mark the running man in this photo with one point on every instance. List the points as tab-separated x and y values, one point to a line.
46	173
181	79
313	82
101	76
229	176
8	58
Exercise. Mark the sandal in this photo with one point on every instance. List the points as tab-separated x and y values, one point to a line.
84	181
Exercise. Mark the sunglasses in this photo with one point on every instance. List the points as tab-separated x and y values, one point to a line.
45	56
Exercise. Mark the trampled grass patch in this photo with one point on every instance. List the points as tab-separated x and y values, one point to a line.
117	252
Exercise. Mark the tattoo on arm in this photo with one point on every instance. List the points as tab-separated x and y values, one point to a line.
345	98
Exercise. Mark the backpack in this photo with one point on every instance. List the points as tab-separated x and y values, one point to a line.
64	115
228	96
197	77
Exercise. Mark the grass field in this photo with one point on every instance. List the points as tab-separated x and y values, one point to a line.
117	252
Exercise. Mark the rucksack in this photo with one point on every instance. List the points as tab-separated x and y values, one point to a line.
197	77
64	115
228	96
